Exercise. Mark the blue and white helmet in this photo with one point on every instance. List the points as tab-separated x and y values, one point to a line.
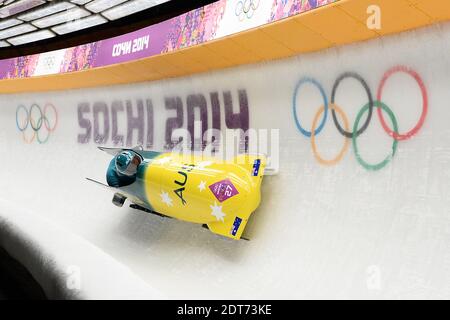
125	164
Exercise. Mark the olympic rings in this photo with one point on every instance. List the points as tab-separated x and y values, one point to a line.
423	90
382	164
20	107
313	137
246	9
325	101
356	131
369	95
31	119
42	120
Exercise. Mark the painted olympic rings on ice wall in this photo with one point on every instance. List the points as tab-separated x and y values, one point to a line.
363	118
40	122
246	9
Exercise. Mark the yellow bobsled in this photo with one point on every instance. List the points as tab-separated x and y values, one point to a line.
221	195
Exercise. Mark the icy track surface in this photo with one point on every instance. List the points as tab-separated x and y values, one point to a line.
339	231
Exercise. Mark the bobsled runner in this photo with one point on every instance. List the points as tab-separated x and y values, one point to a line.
220	195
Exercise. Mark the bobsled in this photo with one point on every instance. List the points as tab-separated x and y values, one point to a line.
220	195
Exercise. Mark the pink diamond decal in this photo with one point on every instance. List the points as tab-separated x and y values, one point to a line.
223	190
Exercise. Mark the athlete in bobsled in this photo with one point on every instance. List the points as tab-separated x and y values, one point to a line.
123	169
220	195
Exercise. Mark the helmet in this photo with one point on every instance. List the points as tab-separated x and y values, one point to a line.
125	164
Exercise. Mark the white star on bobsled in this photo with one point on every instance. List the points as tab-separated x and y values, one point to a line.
202	186
166	199
204	164
217	212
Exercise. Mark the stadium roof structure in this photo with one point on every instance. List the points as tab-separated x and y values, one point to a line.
28	21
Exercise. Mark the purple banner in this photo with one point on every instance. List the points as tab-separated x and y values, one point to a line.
201	25
143	43
5	66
